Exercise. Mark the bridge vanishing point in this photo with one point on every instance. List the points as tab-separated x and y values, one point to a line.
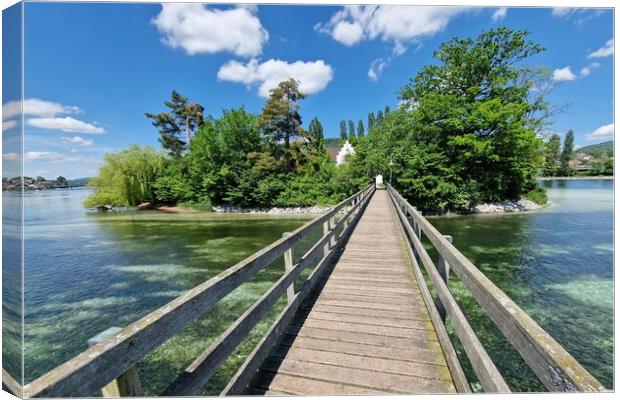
364	321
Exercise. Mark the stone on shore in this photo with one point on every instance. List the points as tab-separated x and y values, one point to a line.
507	206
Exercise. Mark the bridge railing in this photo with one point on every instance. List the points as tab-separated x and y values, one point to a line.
553	365
114	356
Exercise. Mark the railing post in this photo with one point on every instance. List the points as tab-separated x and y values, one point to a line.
444	271
332	225
325	232
288	266
126	385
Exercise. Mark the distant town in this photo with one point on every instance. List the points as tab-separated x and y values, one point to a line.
40	183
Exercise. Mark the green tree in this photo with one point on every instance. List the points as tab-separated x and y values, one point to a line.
184	118
127	178
567	155
386	111
315	135
379	119
360	129
280	118
343	130
371	121
552	155
40	179
466	141
351	129
61	181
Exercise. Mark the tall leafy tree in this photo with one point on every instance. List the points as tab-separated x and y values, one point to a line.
315	135
567	154
351	128
343	130
183	119
386	111
360	129
371	121
379	119
280	118
552	155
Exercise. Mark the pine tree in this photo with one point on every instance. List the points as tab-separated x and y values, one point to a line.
567	155
343	130
280	118
360	129
184	118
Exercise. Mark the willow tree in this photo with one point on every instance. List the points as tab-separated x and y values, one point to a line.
126	178
280	118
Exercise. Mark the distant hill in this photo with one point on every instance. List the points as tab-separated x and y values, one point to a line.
78	181
609	145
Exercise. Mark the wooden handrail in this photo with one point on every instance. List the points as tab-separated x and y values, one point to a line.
551	363
86	373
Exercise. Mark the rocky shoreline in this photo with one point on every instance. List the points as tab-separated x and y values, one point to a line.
508	206
271	210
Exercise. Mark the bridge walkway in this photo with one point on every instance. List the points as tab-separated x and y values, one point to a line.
367	331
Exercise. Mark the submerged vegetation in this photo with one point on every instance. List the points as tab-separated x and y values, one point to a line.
468	130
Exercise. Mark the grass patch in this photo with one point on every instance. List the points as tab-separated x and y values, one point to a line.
538	196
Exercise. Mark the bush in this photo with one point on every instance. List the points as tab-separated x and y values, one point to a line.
538	196
172	189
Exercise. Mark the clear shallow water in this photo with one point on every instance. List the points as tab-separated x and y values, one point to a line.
557	264
87	271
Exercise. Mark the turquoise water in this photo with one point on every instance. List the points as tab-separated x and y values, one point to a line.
557	264
87	271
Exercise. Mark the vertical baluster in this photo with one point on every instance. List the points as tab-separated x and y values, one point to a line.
126	385
288	266
444	271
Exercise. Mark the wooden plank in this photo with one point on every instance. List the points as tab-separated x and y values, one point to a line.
370	312
361	338
370	363
383	330
299	386
553	365
358	377
413	353
353	318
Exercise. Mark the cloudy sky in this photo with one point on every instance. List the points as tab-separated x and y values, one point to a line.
93	70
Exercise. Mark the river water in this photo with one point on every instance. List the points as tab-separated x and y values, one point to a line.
87	271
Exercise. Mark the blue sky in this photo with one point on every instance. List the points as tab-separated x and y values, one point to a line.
93	70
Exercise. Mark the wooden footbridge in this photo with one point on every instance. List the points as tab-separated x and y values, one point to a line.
363	322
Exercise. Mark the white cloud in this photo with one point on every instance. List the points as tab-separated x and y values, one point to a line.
605	51
585	71
43	156
10	124
500	14
603	132
313	76
65	124
77	140
198	29
10	156
562	12
563	74
397	24
376	68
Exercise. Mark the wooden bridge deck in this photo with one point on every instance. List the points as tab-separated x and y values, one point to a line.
367	331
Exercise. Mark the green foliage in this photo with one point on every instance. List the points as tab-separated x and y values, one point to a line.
182	120
598	149
567	154
281	120
61	181
538	195
171	188
127	178
552	156
466	141
343	130
360	129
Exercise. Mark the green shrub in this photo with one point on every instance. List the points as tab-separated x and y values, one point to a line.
172	189
537	195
